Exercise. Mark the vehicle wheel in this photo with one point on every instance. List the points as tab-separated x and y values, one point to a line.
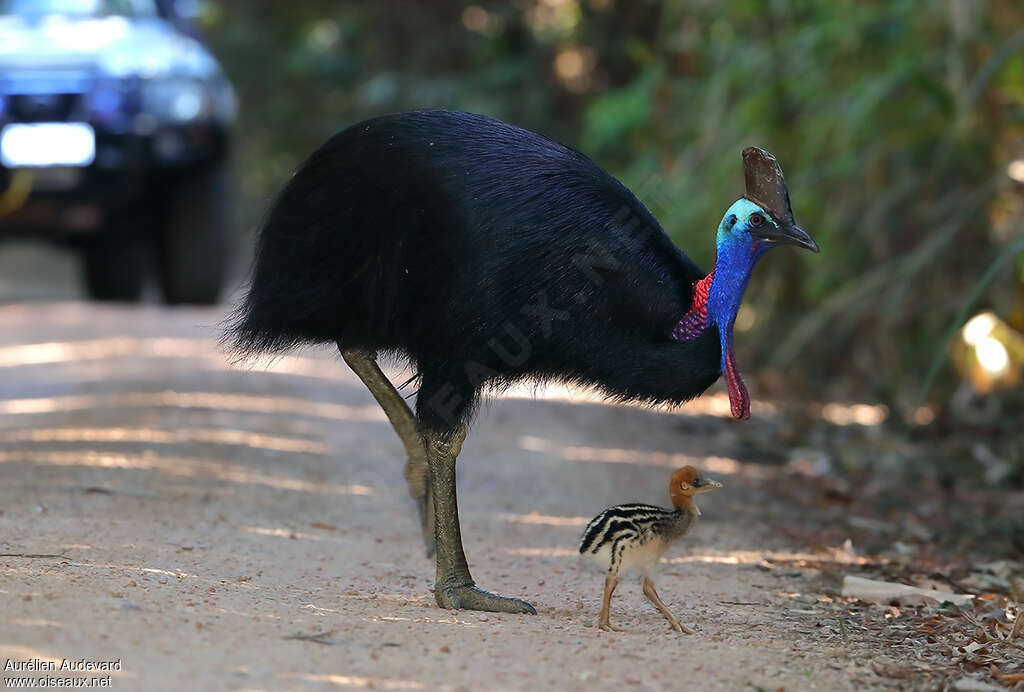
194	237
114	267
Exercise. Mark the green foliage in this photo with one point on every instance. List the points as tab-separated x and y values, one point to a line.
613	116
894	122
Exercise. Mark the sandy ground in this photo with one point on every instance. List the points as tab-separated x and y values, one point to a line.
219	527
201	516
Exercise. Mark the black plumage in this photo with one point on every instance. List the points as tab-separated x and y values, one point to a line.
483	253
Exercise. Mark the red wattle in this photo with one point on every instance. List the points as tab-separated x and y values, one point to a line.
739	399
701	289
692	324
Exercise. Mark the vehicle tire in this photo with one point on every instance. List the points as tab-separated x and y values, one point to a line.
193	246
114	266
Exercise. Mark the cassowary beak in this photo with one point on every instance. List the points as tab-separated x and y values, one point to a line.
766	187
786	235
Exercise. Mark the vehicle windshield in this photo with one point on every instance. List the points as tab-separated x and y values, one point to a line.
79	8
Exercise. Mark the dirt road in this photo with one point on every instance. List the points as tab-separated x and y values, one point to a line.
220	527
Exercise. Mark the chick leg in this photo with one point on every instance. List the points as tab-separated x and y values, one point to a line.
454	586
417	473
651	594
610	582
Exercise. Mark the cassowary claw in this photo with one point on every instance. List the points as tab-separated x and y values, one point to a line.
473	598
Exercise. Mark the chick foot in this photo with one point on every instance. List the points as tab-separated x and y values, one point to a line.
679	627
673	621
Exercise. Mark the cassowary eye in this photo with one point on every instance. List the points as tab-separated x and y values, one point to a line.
756	220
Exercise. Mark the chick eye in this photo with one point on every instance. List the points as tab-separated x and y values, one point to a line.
756	219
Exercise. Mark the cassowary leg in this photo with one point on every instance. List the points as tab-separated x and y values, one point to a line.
652	595
603	621
454	586
417	472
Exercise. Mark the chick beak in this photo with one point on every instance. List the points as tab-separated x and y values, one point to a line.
786	234
707	485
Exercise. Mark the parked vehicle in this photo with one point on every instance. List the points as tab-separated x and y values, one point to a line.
115	129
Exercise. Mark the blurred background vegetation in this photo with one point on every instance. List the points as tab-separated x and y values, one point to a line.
900	126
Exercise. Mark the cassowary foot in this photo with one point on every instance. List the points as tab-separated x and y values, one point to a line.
453	585
474	598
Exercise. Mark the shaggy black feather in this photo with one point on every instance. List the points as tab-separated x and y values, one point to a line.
482	252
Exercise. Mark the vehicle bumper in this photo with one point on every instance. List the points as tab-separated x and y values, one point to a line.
126	170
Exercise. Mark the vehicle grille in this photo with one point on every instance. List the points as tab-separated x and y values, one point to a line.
35	108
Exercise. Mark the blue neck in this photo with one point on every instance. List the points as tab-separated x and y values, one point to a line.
738	252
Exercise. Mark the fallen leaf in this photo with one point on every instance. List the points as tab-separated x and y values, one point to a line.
885	592
916	599
888	669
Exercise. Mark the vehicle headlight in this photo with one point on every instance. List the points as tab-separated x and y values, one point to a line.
176	100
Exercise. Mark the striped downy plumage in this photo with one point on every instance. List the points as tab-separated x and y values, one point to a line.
634	536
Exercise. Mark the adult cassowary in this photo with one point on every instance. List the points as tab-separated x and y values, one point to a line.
485	253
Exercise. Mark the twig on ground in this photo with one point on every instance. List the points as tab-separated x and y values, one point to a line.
318	637
129	492
34	556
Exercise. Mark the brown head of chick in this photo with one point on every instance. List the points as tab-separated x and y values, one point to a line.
633	537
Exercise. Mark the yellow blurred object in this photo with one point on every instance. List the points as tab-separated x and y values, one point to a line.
990	352
1016	316
17	192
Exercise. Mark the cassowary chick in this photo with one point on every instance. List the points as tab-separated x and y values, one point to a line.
633	537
